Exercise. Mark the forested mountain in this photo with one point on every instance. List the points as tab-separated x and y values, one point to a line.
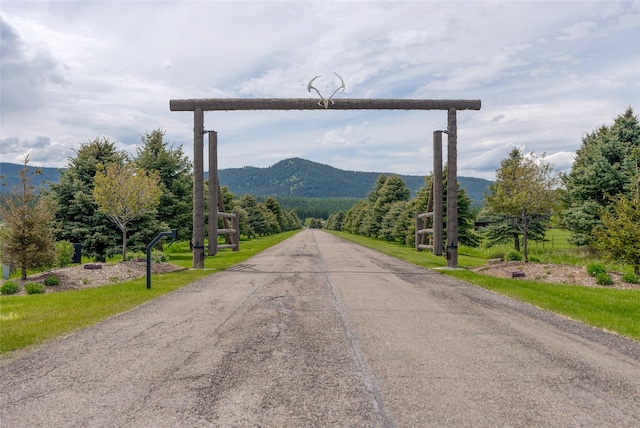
302	178
11	176
288	178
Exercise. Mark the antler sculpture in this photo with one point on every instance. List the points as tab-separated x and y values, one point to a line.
325	101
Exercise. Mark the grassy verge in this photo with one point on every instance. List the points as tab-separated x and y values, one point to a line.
610	309
32	319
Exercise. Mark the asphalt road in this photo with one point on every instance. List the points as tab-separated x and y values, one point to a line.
317	331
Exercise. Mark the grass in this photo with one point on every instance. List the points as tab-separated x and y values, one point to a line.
30	320
609	309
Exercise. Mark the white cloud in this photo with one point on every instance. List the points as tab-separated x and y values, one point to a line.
75	70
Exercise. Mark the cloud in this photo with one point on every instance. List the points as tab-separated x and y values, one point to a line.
26	72
75	70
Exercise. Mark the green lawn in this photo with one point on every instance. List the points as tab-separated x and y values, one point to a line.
29	320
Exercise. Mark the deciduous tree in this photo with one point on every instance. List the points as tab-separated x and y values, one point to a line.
525	192
125	193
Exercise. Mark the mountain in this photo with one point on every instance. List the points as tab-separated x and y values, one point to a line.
297	177
10	173
293	177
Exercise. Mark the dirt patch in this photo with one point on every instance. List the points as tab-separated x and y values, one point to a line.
78	277
552	273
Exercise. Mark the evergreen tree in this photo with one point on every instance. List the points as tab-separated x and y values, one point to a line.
273	206
77	213
618	236
353	219
334	222
524	193
601	172
27	238
386	191
391	228
176	181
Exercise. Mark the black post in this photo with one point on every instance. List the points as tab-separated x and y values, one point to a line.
173	234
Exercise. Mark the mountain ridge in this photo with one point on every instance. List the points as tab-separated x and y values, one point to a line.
292	177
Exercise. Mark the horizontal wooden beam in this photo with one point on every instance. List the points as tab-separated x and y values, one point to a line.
226	104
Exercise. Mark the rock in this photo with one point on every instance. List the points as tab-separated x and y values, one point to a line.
93	266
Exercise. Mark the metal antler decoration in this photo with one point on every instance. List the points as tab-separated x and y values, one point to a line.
325	101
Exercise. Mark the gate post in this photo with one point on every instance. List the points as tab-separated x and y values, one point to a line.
212	231
452	190
437	193
198	188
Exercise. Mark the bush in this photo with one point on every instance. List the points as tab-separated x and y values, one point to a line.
630	278
157	256
9	287
64	253
513	256
603	278
51	280
534	259
594	269
34	287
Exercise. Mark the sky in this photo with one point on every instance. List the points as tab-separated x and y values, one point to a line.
546	73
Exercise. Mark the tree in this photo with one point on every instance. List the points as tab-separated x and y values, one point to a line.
618	235
525	192
386	191
125	193
502	230
27	237
353	219
601	172
176	180
77	213
334	222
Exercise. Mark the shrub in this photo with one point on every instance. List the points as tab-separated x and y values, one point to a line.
534	259
594	269
157	256
9	287
34	287
513	255
603	278
51	280
630	278
64	253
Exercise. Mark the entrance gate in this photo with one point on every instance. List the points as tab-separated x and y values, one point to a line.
199	106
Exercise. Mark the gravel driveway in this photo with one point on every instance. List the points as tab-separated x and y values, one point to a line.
317	331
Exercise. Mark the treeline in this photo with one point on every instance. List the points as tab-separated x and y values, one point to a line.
300	178
388	213
95	203
598	201
316	207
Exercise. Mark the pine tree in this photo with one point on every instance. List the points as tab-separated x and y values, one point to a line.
601	172
618	235
27	237
176	181
76	212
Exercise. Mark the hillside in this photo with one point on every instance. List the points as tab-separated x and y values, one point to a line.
11	176
293	178
302	178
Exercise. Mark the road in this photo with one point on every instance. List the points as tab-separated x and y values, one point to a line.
317	331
